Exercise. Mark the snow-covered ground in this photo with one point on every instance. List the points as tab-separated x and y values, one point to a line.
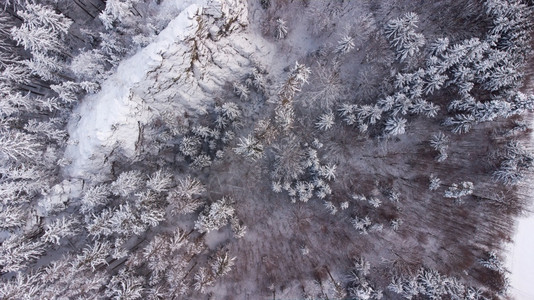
520	260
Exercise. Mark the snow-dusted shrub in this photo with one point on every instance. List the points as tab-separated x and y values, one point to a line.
435	182
458	191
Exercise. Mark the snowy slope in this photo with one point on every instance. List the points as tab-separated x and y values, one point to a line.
110	117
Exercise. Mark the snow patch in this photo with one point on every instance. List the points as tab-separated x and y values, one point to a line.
520	261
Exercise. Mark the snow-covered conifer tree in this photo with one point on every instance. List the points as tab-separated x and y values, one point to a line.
203	279
435	182
440	143
60	228
515	161
492	262
89	65
94	196
461	123
125	285
257	80
281	29
395	126
298	77
326	121
183	199
160	181
11	217
17	145
345	45
241	90
249	147
127	183
37	15
215	216
238	228
221	264
284	116
17	252
117	10
402	36
201	161
190	146
439	46
45	66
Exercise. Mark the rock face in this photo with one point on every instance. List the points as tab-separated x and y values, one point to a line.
190	59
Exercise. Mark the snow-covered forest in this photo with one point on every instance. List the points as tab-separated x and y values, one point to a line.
263	149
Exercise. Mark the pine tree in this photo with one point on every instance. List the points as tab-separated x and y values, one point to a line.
203	279
241	91
160	181
249	147
214	216
221	264
435	182
190	146
16	73
125	285
201	161
492	262
298	77
117	10
281	29
58	229
326	121
17	252
515	161
11	217
45	66
238	228
345	45
402	36
395	126
36	16
127	183
16	145
184	198
461	123
94	196
284	116
89	65
439	46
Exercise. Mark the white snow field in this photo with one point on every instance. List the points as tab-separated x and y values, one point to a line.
520	260
111	116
